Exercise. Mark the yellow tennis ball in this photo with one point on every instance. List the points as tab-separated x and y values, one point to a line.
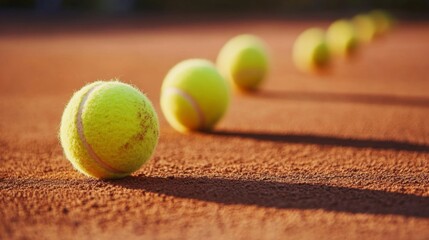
365	27
341	38
108	129
310	51
194	96
383	21
244	61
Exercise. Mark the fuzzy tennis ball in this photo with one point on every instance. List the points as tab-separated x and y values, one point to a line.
365	27
108	129
383	21
341	38
244	61
194	96
310	51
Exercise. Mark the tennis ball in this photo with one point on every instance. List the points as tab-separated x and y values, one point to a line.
383	21
108	129
310	51
194	96
365	27
341	38
244	61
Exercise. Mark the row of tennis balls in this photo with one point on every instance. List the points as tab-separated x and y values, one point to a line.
109	128
313	49
189	103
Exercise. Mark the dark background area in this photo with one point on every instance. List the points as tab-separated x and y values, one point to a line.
408	8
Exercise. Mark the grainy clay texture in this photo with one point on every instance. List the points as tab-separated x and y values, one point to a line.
340	156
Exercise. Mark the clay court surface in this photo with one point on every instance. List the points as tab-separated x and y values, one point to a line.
340	156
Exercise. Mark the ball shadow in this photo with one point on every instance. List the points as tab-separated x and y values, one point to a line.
282	195
345	98
324	140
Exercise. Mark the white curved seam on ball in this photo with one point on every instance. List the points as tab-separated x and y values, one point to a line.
85	143
191	101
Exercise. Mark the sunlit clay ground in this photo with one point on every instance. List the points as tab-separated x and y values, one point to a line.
344	155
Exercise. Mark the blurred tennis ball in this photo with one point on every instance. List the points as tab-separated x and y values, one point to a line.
383	21
243	60
365	27
108	129
341	38
310	51
194	96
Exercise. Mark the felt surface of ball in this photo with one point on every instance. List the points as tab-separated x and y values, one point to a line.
341	38
194	96
383	21
108	129
243	60
310	51
365	28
